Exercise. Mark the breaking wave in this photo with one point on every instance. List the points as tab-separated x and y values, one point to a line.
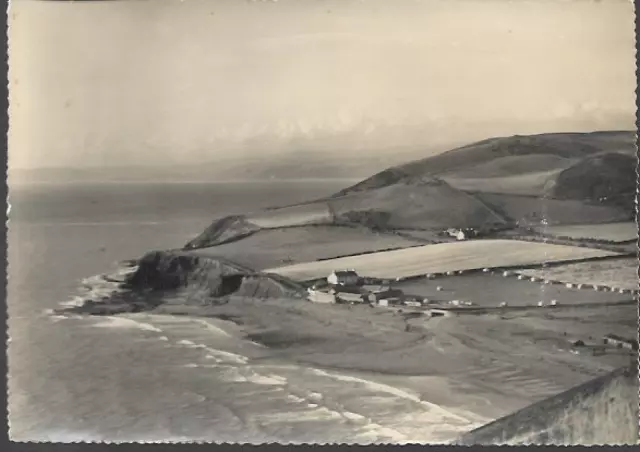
275	401
101	287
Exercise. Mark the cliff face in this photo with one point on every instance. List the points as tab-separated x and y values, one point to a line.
602	411
206	277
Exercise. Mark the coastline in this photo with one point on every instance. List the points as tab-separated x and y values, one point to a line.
374	345
427	398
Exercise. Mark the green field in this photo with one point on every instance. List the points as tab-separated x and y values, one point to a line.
443	257
611	232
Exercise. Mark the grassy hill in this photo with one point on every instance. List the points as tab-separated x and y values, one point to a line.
507	156
603	178
414	203
560	178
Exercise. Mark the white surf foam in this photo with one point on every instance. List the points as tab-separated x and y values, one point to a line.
227	357
297	399
98	288
123	322
53	316
76	301
271	379
233	375
380	387
220	356
211	327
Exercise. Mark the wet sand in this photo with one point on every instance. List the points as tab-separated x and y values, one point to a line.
486	366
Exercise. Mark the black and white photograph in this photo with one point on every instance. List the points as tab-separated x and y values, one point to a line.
322	222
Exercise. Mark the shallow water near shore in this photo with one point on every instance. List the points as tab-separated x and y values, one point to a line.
165	378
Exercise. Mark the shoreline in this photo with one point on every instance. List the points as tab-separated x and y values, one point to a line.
362	341
434	392
440	361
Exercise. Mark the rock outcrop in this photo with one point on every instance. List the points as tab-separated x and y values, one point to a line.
207	278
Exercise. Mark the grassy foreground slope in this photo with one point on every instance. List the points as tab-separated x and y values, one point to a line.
601	411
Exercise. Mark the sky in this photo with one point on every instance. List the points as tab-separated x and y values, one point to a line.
166	82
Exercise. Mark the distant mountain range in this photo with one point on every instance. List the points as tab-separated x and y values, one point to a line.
296	165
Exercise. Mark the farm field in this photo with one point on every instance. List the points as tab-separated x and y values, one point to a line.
513	165
442	257
424	203
429	236
530	184
531	211
269	248
491	289
618	273
613	232
300	215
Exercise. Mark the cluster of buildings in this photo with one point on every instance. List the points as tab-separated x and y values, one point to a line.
461	234
620	342
608	342
346	286
471	233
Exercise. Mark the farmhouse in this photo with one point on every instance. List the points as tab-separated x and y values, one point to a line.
318	296
349	294
392	301
383	293
620	342
451	232
461	235
343	278
412	303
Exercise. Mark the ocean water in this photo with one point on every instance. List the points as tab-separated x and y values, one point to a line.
147	377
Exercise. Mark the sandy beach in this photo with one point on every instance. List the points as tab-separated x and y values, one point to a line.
476	367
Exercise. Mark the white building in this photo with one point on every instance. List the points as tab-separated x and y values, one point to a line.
414	304
317	296
343	278
383	293
350	297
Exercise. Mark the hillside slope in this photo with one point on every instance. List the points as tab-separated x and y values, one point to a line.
603	178
602	411
562	146
560	178
414	203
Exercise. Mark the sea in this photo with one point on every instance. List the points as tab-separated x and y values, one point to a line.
154	378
